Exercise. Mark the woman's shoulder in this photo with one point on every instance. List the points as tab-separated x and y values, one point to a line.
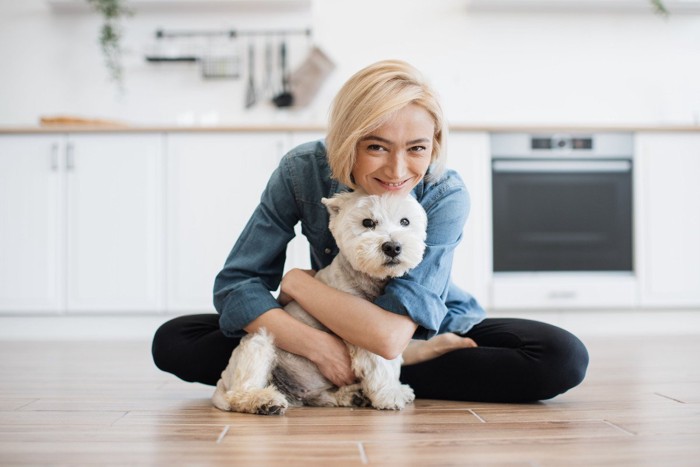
311	150
306	167
449	186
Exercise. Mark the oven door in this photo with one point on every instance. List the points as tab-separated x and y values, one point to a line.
562	215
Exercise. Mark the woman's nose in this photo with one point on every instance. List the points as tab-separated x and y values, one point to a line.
396	166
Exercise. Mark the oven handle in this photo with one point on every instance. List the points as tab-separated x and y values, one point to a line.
562	166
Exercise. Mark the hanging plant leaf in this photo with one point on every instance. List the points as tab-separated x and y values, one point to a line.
659	7
112	12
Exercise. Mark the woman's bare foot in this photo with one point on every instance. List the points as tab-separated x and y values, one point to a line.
421	351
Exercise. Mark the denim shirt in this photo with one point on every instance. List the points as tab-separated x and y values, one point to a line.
242	290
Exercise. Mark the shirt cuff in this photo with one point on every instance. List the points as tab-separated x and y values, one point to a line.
243	305
425	308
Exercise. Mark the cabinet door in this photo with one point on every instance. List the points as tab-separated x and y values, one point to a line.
668	218
31	238
114	222
468	154
214	184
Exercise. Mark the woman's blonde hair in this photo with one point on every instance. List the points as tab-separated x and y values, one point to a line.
366	101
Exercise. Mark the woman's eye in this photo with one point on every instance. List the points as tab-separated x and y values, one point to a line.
369	223
418	148
405	222
374	147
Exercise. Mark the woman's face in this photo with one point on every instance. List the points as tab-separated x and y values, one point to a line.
396	156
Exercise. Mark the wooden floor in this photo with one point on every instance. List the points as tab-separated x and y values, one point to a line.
105	403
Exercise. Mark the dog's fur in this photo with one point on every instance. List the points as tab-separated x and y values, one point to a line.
379	237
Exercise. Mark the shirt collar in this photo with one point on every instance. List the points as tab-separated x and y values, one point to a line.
419	189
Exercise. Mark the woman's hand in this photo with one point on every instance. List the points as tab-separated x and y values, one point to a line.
285	296
333	361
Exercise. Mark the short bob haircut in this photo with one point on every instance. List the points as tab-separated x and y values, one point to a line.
369	99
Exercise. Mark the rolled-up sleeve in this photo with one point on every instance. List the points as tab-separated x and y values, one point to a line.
256	263
422	293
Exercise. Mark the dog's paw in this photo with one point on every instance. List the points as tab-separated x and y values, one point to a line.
266	401
360	400
395	398
270	401
350	396
272	408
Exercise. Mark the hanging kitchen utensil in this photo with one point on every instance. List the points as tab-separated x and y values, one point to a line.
250	97
284	98
308	78
220	59
267	89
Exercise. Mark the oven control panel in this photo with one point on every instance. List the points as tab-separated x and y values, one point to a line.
615	145
561	142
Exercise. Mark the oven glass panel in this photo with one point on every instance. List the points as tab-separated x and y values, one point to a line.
562	221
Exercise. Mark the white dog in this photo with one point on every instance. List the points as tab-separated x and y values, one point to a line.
379	237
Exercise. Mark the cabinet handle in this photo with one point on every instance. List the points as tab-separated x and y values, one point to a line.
70	156
54	157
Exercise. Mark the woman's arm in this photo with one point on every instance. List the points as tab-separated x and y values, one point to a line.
381	332
329	353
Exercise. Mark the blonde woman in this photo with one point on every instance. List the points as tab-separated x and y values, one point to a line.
386	135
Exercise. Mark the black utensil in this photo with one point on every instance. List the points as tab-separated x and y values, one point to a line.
284	98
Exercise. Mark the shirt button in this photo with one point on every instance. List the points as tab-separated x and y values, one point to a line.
327	251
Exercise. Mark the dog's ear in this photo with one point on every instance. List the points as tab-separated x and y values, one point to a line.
335	204
332	204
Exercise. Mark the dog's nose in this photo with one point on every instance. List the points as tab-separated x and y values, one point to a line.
391	249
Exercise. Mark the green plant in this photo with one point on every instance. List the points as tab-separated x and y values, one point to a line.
659	7
112	12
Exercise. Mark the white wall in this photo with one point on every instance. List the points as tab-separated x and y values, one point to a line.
491	68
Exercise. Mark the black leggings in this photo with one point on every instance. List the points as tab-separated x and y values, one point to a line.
517	360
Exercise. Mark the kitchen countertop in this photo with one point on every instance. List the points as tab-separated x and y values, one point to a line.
240	128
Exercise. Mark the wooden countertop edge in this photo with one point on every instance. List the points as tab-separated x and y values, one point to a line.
53	129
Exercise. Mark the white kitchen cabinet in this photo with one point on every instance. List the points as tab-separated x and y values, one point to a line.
668	219
214	184
469	154
31	238
114	227
80	222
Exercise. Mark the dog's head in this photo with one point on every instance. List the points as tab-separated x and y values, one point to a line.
381	236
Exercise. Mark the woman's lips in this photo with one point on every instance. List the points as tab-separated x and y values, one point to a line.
392	185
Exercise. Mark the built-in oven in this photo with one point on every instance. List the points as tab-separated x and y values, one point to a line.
562	203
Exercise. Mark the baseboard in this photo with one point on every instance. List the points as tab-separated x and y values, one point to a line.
623	322
586	323
81	327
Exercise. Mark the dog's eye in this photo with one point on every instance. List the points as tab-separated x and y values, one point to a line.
369	223
405	222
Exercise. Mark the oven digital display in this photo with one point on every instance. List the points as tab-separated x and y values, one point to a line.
578	143
582	143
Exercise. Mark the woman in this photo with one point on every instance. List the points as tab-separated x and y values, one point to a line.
386	135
